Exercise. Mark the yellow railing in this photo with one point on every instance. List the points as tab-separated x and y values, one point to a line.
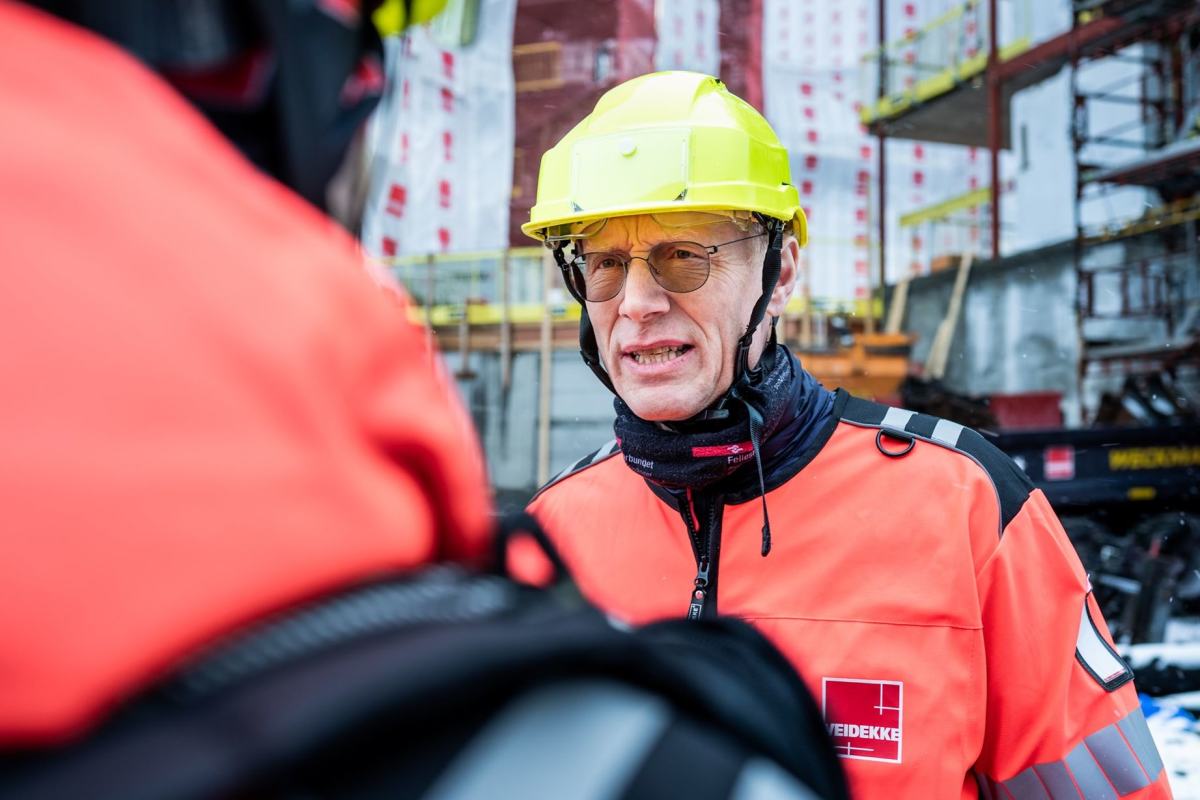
946	208
947	232
934	59
1178	212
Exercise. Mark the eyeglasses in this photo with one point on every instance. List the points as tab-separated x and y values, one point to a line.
678	267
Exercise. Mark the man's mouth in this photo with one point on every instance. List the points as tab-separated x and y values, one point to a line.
658	355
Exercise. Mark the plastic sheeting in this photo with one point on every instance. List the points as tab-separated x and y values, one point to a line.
687	32
811	53
441	142
814	86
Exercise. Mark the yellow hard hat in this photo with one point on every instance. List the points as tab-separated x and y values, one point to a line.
394	16
667	141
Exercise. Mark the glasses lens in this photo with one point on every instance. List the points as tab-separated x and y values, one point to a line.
603	275
679	266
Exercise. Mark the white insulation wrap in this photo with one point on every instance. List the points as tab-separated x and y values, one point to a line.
813	85
441	142
687	35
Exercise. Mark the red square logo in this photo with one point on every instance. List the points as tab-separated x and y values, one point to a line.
864	718
1059	463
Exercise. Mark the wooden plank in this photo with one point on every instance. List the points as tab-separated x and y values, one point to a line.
895	317
939	352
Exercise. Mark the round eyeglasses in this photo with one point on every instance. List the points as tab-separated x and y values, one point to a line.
678	267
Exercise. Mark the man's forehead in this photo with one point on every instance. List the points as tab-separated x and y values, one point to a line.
643	228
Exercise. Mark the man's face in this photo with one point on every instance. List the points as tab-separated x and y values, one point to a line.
670	355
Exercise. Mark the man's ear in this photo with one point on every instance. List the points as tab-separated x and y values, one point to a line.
789	267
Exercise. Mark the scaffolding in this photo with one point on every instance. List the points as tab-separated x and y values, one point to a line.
948	231
1138	277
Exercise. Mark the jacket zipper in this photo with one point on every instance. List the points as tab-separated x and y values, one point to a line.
706	547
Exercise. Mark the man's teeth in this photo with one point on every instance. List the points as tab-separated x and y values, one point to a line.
658	355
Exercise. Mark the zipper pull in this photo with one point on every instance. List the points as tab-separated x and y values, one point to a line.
699	591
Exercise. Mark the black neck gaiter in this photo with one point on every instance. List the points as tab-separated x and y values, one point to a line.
696	455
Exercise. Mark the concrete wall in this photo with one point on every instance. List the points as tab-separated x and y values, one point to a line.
581	416
1017	331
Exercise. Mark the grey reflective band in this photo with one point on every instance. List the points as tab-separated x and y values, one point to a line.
1027	784
1087	774
1125	772
1111	763
947	432
583	739
605	451
1057	779
591	458
1139	738
1094	653
896	418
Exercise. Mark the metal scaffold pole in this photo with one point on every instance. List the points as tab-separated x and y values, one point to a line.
994	88
883	66
546	375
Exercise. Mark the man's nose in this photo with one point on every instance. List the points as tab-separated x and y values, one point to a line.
642	297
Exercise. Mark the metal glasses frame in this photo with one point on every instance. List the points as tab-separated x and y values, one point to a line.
626	259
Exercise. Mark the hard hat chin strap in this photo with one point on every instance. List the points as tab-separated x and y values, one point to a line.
588	348
772	264
742	373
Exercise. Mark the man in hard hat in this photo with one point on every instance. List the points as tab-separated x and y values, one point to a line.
909	570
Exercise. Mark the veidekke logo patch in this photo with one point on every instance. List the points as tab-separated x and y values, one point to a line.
864	717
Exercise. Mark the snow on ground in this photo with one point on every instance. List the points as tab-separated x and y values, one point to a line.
1173	719
1177	735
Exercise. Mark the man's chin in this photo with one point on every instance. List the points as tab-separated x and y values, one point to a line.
660	405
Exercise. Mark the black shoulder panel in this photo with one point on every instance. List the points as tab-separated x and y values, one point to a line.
591	459
1012	485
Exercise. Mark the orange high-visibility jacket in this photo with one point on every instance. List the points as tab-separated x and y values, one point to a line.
931	601
209	411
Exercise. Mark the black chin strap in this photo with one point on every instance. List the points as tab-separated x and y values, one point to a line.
770	276
588	348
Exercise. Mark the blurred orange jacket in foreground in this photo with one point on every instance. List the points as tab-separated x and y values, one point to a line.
930	599
209	411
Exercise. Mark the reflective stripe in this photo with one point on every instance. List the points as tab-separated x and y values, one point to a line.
1057	780
896	418
947	432
1087	775
581	739
1139	738
1027	786
1113	762
1095	654
1122	767
605	451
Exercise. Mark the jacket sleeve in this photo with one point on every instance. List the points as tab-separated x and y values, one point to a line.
1062	715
